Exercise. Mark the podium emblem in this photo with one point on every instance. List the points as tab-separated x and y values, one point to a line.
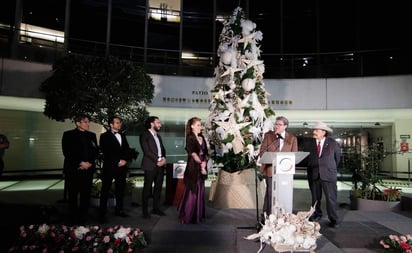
285	164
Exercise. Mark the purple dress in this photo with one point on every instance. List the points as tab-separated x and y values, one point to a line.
192	206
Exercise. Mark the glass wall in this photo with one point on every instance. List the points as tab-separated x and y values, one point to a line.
35	140
309	39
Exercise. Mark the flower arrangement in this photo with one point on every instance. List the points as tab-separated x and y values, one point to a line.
239	108
388	194
61	238
397	244
391	194
288	231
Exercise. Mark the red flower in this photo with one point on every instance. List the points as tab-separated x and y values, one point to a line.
405	245
55	238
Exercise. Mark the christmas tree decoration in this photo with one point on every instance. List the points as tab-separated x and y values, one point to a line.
239	111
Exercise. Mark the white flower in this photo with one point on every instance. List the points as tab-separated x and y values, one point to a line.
122	233
259	36
221	133
247	27
256	131
260	69
80	231
223	47
43	228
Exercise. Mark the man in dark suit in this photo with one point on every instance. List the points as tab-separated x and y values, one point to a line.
4	144
116	153
322	172
153	164
80	151
277	140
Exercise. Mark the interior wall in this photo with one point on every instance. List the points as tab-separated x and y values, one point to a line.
35	140
355	103
403	160
23	79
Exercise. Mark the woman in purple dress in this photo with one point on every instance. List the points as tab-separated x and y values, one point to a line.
192	207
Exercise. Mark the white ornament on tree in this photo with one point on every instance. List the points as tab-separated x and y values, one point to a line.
248	84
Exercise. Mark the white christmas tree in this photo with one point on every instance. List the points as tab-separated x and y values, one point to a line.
239	111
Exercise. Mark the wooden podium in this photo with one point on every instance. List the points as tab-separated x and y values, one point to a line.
282	179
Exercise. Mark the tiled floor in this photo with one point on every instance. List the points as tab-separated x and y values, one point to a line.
30	201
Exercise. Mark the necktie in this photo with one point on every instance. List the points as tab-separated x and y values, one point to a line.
118	137
318	148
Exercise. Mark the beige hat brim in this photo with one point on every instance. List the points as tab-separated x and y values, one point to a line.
323	126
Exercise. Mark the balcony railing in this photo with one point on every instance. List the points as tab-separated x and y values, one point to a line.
174	62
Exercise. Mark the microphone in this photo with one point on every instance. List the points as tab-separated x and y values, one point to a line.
278	136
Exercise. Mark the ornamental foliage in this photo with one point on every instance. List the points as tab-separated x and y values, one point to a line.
367	181
61	238
239	112
99	87
397	244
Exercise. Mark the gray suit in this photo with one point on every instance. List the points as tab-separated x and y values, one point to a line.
322	175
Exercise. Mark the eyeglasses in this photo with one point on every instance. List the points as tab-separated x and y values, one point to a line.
279	124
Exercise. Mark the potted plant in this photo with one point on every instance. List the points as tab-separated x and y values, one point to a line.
368	191
97	187
95	194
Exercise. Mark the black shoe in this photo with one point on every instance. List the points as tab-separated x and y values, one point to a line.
333	224
158	212
147	215
121	213
316	218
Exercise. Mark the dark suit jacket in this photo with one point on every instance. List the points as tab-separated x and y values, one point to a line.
270	143
325	166
79	147
113	152
149	148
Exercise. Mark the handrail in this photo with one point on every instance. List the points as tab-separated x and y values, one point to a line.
277	65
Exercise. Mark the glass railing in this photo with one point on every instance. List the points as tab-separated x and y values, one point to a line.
173	62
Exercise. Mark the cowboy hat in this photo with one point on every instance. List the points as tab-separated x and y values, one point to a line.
322	126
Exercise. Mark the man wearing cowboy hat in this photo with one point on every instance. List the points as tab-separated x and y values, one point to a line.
322	172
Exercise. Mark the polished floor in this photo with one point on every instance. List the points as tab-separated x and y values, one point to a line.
35	201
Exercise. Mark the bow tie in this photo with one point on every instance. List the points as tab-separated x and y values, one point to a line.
116	133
